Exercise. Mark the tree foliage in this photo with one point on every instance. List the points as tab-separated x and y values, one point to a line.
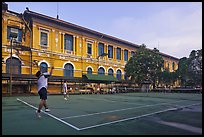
190	69
145	65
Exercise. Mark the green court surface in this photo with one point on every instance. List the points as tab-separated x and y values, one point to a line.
105	114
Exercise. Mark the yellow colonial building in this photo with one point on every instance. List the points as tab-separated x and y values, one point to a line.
42	42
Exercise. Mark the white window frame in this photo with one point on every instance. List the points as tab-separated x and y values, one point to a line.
89	42
44	31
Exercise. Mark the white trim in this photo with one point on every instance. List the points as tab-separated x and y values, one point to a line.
44	62
25	66
103	68
89	41
6	58
44	29
68	124
47	32
69	63
13	55
112	69
89	67
120	70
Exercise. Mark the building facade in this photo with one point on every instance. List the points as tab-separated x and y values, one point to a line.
73	50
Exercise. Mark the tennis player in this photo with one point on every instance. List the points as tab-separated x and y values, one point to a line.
42	90
65	90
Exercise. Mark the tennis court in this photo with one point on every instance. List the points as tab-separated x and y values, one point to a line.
105	114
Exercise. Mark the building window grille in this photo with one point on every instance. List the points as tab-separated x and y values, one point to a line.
119	53
110	51
118	74
44	39
100	49
110	72
68	42
69	70
89	70
14	30
126	55
89	48
16	66
101	71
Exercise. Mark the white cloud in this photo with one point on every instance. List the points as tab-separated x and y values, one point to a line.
176	32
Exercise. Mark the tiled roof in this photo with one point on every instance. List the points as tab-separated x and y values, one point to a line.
87	31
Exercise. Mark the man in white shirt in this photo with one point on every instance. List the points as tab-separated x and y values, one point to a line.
65	89
42	89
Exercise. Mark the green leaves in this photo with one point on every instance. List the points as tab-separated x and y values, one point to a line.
144	65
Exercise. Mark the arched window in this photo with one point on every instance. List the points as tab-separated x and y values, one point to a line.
69	70
101	71
125	76
89	70
43	67
16	66
110	72
168	67
118	74
173	66
132	53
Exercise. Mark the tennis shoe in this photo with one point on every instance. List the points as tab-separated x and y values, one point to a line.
38	114
65	98
47	110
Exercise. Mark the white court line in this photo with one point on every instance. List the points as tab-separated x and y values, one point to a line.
170	109
109	100
119	110
49	114
98	99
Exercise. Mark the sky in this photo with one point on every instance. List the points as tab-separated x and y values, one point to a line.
175	28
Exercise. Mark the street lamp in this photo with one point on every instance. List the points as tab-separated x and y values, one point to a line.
12	36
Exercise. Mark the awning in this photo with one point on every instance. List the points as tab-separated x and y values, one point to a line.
99	78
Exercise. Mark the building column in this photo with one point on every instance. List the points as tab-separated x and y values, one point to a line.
122	54
62	46
83	47
114	53
74	44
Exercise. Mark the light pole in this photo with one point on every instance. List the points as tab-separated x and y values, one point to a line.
12	36
10	82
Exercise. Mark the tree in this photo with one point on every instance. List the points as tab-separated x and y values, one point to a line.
168	78
182	70
190	69
145	65
195	67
